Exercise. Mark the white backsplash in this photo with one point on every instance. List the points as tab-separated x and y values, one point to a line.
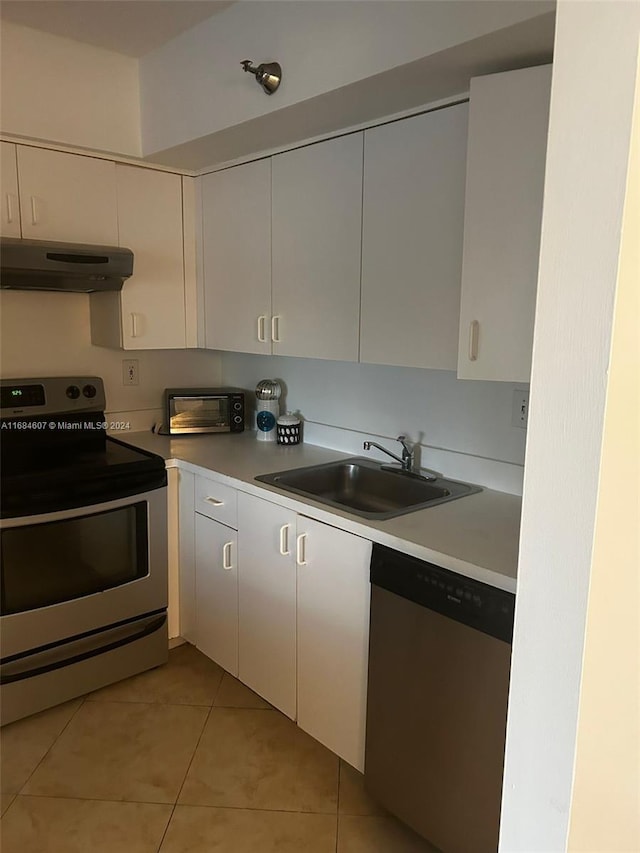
463	427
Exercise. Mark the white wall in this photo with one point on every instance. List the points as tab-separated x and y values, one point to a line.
59	90
589	138
48	334
194	85
464	427
605	811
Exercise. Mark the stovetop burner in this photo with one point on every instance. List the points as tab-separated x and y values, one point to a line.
55	451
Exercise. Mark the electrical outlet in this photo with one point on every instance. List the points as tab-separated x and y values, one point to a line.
520	409
129	371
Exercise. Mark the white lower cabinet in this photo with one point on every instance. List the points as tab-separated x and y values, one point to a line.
333	637
216	591
267	601
283	604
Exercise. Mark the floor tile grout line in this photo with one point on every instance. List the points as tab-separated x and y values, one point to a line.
52	744
166	829
93	799
164	803
252	809
219	687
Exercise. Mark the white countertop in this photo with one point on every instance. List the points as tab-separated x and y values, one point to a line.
476	535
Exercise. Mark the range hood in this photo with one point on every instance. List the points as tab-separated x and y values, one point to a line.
69	267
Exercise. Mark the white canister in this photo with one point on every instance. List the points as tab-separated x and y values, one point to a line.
266	419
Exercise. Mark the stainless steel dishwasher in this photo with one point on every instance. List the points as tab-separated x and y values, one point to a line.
439	659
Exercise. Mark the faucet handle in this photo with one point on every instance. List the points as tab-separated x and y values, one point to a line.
407	452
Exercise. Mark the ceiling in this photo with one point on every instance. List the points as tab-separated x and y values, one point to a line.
131	27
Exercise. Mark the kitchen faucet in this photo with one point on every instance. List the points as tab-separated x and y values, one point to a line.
407	452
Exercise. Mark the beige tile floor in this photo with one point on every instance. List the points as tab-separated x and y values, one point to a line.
182	759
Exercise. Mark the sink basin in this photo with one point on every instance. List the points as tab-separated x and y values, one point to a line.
368	488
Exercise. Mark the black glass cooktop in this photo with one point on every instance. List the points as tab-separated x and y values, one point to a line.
40	480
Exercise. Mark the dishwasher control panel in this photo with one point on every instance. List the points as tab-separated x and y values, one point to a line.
470	602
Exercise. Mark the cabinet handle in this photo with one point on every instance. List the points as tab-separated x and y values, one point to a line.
262	337
301	557
214	501
226	556
10	217
474	329
35	219
134	325
284	540
275	328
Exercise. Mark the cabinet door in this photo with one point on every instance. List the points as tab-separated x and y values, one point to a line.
333	638
10	217
412	239
508	121
317	212
217	592
150	224
67	197
267	601
236	222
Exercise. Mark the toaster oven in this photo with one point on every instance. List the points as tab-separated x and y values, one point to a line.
203	410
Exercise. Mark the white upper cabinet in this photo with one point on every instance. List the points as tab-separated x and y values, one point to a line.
236	222
66	197
150	224
414	175
316	227
10	216
149	311
508	122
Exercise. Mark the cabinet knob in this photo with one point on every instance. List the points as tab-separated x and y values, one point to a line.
275	328
10	213
284	540
134	325
214	501
301	556
262	336
35	218
474	331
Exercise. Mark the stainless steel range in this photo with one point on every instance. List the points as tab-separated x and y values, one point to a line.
83	532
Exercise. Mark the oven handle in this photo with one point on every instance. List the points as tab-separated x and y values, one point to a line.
80	648
84	510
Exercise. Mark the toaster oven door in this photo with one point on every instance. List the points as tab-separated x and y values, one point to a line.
208	414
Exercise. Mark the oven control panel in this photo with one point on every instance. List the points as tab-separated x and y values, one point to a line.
51	395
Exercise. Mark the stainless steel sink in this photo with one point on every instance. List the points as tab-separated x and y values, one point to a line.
368	488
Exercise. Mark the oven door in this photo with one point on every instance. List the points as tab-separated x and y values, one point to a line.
72	573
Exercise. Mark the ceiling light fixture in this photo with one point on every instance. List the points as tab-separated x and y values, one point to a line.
268	74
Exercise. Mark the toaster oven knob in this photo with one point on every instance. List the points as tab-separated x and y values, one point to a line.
73	392
237	419
237	405
89	391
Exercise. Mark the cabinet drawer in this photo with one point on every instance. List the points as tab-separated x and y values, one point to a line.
216	501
